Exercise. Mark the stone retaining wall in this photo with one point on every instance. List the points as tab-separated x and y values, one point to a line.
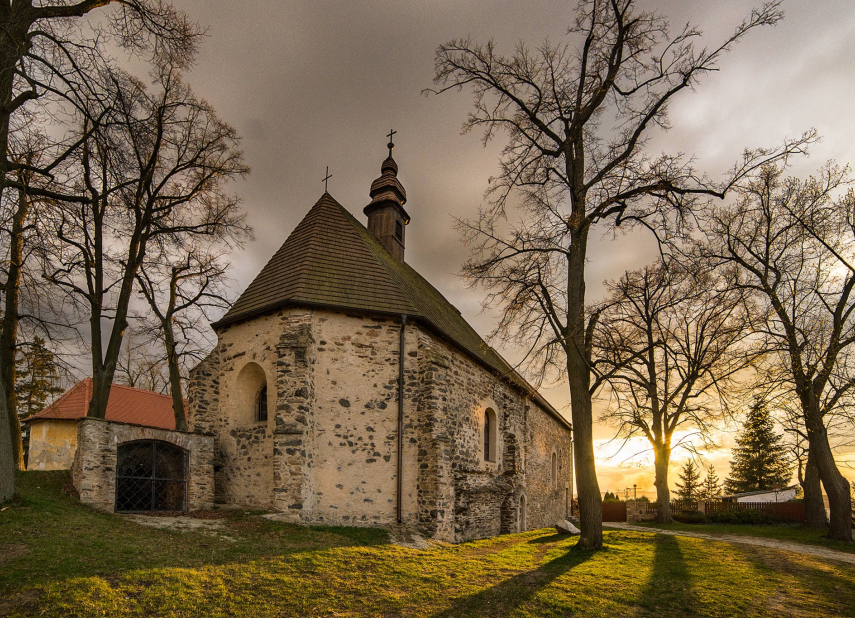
94	468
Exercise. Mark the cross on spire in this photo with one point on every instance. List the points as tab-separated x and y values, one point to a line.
326	178
391	145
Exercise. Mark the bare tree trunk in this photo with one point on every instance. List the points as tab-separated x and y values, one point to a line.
836	487
7	464
815	516
14	30
578	376
662	457
9	333
174	377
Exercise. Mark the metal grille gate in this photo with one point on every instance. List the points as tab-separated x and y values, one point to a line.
150	476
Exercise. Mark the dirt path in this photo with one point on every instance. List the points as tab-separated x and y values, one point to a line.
797	548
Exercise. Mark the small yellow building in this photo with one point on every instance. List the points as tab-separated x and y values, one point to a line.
53	431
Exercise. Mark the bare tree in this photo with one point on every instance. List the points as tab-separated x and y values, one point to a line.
668	348
178	298
157	169
46	52
577	117
793	242
17	234
141	363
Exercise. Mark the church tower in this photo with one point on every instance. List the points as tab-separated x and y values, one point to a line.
386	215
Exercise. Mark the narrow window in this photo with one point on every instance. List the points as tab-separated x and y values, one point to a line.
490	435
486	436
399	231
261	405
554	471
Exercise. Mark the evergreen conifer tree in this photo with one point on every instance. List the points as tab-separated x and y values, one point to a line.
37	382
690	488
711	489
760	460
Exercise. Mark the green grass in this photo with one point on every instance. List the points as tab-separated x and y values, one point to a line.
58	558
785	532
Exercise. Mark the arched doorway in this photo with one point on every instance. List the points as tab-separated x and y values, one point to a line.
150	476
521	518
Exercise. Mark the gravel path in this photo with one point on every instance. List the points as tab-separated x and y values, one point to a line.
798	548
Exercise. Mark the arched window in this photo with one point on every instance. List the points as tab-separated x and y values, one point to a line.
261	405
554	471
491	433
248	400
521	518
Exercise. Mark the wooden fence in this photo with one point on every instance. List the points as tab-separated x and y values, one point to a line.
785	511
614	511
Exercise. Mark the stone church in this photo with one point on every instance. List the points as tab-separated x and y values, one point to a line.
346	390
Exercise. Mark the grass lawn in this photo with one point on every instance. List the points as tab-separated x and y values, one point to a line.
795	533
58	558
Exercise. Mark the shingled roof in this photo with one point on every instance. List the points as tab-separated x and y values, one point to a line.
332	260
125	405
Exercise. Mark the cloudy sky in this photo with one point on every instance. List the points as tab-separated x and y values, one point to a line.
320	83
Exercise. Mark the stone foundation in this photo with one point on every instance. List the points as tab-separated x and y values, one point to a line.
94	468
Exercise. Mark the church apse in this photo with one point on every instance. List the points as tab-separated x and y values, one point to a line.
318	336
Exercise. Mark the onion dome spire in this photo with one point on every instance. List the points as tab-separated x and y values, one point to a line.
386	214
387	188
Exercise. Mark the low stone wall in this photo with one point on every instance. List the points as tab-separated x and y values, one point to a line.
94	469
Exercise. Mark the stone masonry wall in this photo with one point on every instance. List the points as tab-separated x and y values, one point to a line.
462	496
355	415
328	453
222	393
94	470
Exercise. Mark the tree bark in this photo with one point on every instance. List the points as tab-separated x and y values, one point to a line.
836	487
15	21
578	376
662	457
7	464
815	516
9	334
174	377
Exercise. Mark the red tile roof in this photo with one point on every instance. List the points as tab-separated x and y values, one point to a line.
126	405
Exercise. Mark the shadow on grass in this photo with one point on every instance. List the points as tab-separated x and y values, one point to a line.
552	538
670	585
508	595
805	577
60	538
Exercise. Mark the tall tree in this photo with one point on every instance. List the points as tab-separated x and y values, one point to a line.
690	488
711	488
158	170
16	235
578	116
760	459
668	347
41	51
187	290
793	243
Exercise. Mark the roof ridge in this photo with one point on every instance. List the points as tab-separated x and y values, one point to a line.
139	390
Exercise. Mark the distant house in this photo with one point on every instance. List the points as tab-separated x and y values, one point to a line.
53	431
785	494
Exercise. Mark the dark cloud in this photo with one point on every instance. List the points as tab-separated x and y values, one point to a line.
311	84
